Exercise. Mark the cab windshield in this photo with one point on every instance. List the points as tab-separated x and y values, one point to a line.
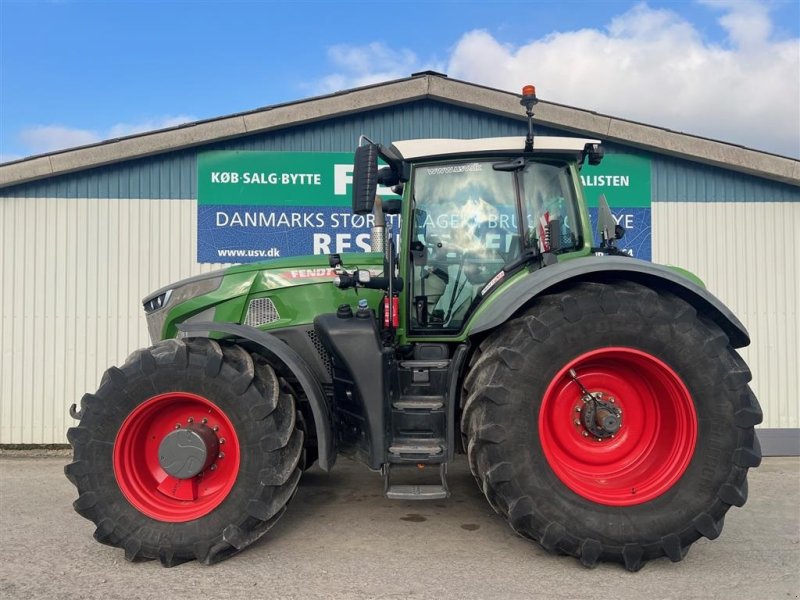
469	224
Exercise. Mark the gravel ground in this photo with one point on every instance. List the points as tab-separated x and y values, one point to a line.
341	538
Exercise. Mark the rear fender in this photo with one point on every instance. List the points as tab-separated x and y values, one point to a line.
293	362
511	299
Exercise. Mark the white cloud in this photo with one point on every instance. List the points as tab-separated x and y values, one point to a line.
654	66
40	139
356	64
649	65
46	138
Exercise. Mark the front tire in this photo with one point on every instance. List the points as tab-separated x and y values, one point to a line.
151	496
679	459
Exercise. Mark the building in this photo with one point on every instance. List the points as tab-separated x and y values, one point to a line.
88	232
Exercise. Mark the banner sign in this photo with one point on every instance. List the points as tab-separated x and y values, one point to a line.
258	205
625	181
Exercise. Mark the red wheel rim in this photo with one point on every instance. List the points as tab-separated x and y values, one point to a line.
142	479
653	446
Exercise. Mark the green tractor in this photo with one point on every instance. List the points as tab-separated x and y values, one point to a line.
599	399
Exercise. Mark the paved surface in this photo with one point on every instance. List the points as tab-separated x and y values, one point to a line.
341	539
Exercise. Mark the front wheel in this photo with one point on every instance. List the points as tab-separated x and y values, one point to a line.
190	450
611	422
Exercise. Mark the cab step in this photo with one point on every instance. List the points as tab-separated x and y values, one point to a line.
408	491
419	403
417	449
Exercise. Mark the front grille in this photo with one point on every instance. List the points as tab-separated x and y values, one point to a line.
261	311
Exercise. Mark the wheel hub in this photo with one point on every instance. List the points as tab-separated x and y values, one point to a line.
184	453
600	418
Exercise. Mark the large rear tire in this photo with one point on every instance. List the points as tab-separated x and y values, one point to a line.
650	488
154	498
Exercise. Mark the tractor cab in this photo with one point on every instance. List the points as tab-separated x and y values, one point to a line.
474	213
478	216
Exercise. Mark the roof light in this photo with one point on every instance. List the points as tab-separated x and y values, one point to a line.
529	100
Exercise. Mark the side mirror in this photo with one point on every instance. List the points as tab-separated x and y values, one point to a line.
594	152
365	178
607	227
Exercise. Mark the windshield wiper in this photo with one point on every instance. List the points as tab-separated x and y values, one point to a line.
510	165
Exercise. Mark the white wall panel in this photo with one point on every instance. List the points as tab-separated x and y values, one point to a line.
73	276
748	256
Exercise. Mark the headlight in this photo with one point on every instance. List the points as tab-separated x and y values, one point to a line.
156	305
156	302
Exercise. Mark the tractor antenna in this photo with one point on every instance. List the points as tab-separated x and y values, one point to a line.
529	100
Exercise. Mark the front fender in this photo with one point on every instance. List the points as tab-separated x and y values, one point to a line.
294	362
517	294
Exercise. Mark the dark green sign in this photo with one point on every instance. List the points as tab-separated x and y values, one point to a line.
624	179
274	178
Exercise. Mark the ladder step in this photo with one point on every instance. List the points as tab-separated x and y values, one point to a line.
416	492
425	364
417	448
419	404
406	491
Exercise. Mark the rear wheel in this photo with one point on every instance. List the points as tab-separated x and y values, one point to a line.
611	422
190	450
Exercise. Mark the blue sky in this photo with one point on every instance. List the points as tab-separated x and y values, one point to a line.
75	72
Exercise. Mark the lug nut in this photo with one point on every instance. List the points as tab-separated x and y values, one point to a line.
190	420
599	439
221	455
204	421
212	468
215	428
577	409
585	434
221	440
577	422
177	425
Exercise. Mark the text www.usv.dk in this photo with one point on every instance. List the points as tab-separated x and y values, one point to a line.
271	253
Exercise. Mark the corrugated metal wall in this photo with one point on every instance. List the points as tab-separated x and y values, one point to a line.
746	255
81	250
74	273
736	233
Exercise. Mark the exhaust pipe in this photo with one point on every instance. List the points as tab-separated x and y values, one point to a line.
378	231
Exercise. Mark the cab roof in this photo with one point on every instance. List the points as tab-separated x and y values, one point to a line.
442	148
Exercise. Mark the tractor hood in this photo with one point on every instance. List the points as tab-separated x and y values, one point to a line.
221	295
303	270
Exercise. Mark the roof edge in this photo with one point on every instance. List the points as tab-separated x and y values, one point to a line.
631	133
212	130
419	86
